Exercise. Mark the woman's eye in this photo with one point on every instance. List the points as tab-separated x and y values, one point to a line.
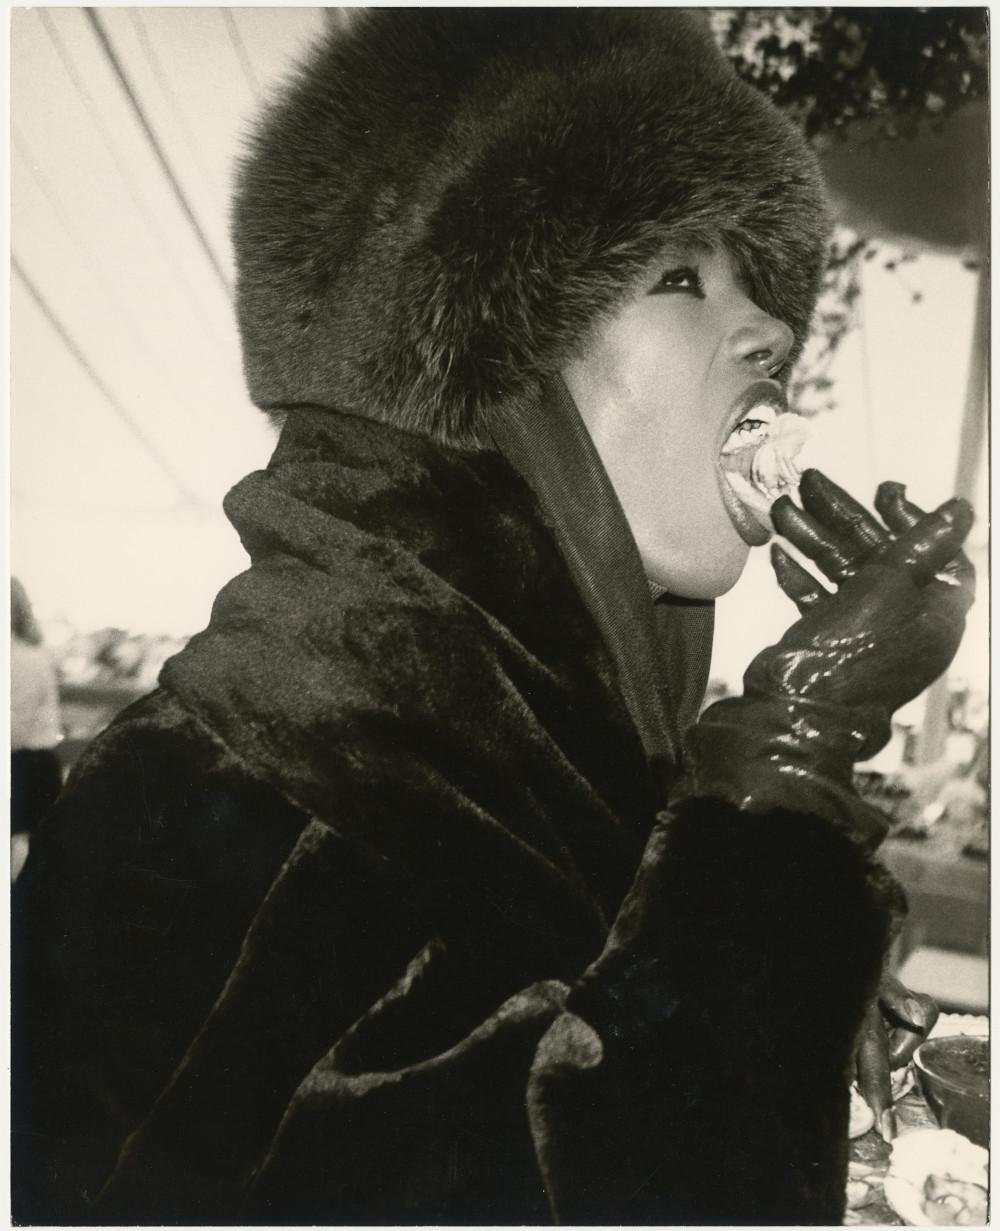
683	280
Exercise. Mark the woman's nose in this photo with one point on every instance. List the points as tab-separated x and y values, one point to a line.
764	343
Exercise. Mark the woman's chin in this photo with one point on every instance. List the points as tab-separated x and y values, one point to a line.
704	573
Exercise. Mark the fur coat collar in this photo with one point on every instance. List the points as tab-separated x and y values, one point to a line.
530	553
409	619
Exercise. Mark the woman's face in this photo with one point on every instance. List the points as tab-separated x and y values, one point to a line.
673	390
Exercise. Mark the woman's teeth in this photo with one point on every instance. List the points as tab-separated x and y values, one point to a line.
760	464
751	430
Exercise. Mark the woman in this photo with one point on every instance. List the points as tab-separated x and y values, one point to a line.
35	728
413	894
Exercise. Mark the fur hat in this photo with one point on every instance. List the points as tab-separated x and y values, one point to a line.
444	202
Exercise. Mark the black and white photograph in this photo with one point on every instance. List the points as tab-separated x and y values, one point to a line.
499	604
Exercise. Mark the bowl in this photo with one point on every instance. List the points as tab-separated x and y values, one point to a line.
954	1076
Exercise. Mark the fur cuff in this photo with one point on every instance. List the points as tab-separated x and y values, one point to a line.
727	1003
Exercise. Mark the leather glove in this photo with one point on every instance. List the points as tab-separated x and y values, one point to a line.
896	1023
822	698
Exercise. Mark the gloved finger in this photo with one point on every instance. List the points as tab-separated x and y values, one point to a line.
831	505
814	540
912	1016
959	575
915	1009
799	584
874	1073
900	514
933	542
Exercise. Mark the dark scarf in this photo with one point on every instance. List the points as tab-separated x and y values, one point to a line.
662	649
407	598
409	634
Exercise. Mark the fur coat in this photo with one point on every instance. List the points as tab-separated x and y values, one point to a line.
377	910
368	914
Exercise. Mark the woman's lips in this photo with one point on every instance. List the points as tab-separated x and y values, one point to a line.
747	526
754	475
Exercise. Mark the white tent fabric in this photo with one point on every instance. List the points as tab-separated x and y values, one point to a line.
129	416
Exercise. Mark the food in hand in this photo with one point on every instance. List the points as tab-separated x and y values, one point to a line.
862	1118
902	1081
762	464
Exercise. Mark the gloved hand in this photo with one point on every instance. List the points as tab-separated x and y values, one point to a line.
822	698
896	1023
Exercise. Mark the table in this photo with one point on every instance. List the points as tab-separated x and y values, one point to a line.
948	895
912	1113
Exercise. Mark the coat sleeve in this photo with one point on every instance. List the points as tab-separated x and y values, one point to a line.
700	1072
696	1073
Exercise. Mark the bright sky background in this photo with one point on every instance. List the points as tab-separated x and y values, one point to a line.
116	511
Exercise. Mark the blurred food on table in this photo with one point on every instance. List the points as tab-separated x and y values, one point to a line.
931	1175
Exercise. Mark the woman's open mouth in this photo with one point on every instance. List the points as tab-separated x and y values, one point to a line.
758	463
